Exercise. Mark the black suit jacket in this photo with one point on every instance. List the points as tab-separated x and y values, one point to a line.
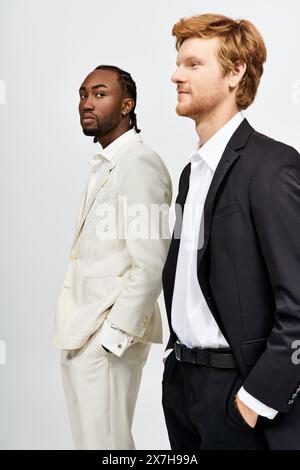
249	265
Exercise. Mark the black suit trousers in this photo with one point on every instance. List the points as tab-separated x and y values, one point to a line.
199	409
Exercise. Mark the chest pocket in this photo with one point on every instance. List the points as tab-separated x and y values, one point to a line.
226	210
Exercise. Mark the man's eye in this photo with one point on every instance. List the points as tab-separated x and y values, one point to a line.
100	94
82	97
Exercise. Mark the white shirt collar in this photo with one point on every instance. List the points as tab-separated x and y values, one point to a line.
108	152
212	151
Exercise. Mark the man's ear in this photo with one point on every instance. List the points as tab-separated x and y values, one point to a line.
236	74
127	106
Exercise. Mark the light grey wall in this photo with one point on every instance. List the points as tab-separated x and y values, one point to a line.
46	49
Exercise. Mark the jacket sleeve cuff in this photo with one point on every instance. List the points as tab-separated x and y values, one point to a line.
256	405
114	339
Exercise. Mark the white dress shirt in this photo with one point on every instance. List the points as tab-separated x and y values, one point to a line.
112	338
192	320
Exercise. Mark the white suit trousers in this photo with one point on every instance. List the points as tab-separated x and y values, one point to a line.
101	391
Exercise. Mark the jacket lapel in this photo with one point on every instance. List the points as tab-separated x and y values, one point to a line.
229	157
179	208
169	270
86	204
101	182
97	188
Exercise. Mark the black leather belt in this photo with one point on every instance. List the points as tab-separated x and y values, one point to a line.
221	358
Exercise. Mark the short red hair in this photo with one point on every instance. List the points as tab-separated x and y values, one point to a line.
239	41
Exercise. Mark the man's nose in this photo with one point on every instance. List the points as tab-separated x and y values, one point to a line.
88	103
177	76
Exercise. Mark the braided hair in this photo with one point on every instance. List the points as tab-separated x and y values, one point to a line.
128	86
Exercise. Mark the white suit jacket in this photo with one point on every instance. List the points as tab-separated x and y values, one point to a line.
114	273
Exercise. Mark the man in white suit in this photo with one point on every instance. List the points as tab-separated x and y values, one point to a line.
107	314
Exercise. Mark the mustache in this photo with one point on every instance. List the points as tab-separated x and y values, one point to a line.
88	114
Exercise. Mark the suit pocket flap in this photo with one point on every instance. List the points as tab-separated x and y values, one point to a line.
252	349
226	210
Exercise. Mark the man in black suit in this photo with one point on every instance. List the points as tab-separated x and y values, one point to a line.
231	278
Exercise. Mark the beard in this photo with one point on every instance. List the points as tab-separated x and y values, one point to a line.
197	109
102	126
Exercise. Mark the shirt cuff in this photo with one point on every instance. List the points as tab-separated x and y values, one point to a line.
114	339
256	405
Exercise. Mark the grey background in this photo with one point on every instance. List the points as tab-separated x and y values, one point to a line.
46	50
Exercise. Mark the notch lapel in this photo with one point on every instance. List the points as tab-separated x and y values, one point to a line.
179	208
104	177
169	270
229	157
86	204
